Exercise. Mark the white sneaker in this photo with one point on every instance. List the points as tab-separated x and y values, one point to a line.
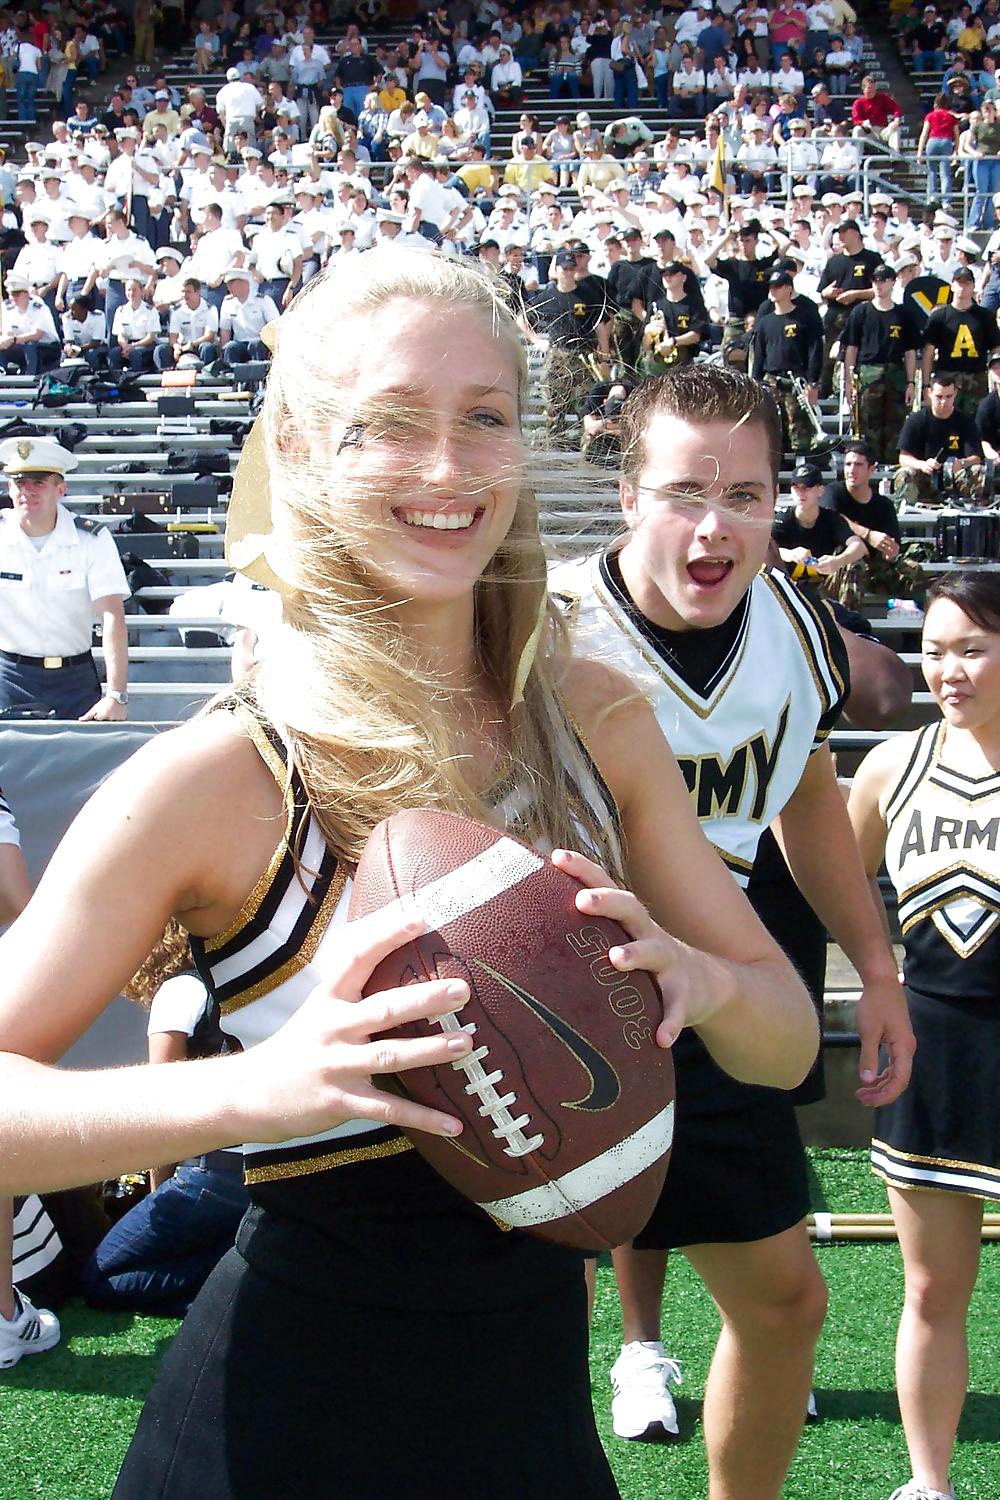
812	1411
32	1330
641	1405
911	1490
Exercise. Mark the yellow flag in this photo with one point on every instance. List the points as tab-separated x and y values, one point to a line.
718	178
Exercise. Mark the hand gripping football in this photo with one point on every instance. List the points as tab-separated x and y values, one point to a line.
567	1100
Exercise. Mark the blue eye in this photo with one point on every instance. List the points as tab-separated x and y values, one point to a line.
488	419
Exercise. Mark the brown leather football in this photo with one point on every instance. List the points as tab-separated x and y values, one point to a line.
567	1100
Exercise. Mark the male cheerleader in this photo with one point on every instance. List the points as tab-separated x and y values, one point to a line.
747	678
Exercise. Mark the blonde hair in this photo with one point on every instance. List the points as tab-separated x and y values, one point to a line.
369	728
171	956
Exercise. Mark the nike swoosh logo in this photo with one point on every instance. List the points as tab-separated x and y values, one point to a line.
605	1085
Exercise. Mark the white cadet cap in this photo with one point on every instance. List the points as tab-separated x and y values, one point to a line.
829	199
881	200
36	456
969	246
803	191
944	232
127	133
236	273
15	283
905	261
251	153
169	253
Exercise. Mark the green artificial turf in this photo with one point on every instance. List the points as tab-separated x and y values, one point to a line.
66	1417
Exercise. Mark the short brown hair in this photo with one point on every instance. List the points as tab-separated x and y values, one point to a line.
699	393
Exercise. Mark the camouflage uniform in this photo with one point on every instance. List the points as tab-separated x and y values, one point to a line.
972	386
879	408
602	448
797	431
626	340
927	489
834	323
732	328
567	379
875	575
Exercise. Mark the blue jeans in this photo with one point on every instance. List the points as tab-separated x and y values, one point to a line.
929	62
157	1257
626	89
26	87
571	81
354	97
661	83
939	169
986	175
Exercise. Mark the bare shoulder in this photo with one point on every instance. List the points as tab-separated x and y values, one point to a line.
601	698
883	766
207	764
616	721
195	805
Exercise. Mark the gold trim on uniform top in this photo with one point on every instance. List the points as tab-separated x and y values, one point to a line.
808	649
705	707
936	1161
349	1157
282	776
299	960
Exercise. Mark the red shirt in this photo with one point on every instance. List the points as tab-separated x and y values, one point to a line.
877	111
940	125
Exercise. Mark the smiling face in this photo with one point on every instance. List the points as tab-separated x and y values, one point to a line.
699	511
961	665
432	449
35	498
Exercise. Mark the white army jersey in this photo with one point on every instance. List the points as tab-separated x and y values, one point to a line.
943	857
743	743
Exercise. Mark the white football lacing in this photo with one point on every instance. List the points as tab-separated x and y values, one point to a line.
493	1105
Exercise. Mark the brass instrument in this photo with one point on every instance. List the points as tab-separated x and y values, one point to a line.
918	390
799	387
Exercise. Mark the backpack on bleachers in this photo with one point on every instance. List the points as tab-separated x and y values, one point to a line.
61	386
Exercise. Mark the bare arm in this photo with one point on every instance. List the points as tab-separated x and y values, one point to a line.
111	609
719	969
165	1047
842	903
15	886
186	827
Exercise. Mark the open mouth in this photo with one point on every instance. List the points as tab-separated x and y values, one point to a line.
709	572
438	520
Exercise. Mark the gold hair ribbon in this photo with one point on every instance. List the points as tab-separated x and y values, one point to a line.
249	523
530	648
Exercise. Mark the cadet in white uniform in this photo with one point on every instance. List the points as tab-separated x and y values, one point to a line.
243	315
277	256
28	337
135	330
57	575
194	329
746	679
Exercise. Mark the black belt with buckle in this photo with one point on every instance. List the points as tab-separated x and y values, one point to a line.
50	663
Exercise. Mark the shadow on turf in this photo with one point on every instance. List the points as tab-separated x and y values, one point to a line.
980	1415
94	1371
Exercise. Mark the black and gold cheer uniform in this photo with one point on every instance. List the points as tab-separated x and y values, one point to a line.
373	1333
943	857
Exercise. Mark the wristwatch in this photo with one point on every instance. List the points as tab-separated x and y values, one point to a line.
113	693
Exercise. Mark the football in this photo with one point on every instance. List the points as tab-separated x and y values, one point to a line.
566	1099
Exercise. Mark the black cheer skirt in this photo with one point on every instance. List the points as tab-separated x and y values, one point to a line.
269	1391
943	1132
